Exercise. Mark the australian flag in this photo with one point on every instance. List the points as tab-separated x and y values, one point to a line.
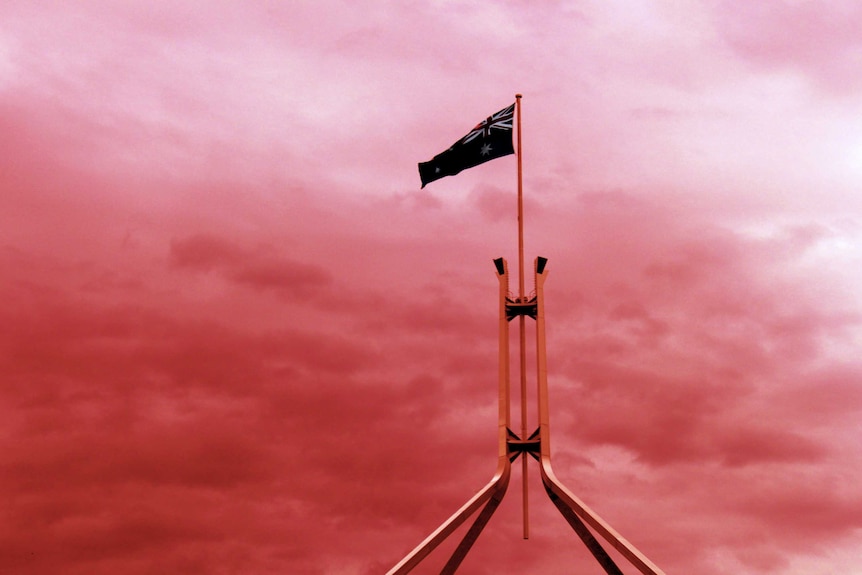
491	138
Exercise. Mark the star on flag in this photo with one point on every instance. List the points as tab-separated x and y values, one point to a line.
489	139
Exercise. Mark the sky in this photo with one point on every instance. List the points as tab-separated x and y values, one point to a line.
240	339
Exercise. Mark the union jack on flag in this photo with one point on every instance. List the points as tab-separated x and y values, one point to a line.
471	150
502	120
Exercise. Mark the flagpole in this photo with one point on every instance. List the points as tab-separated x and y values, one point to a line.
520	202
521	320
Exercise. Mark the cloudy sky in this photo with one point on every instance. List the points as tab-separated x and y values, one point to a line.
239	339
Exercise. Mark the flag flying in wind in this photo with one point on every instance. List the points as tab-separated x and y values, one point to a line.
491	138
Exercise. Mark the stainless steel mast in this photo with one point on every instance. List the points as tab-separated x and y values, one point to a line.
583	520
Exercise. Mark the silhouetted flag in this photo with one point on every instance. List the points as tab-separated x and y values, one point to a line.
491	138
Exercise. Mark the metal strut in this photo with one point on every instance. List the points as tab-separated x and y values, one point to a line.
583	520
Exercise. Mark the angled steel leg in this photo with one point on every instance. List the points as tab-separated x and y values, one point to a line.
473	533
493	492
586	536
566	502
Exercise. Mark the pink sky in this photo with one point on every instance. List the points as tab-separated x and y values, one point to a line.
239	339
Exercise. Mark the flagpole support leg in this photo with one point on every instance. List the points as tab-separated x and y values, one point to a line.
573	509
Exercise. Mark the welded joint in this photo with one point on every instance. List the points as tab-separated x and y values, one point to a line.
517	446
516	307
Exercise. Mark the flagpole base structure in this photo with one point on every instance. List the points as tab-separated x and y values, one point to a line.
583	520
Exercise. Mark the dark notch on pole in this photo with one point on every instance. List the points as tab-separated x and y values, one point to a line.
500	264
540	264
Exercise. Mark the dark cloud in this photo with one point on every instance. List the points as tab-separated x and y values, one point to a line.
255	268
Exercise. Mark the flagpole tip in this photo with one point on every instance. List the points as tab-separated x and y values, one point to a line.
518	96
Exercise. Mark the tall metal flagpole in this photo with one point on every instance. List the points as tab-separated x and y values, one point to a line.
522	320
583	520
520	201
